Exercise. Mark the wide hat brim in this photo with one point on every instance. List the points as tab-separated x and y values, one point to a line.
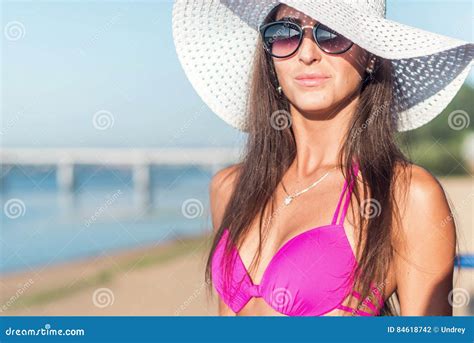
216	40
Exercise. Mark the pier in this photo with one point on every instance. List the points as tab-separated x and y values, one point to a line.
139	161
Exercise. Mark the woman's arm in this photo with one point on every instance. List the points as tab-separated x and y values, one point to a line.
220	190
424	258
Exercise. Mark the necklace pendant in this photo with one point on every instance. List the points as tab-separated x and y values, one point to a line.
288	200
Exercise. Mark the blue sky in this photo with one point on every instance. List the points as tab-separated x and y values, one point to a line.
77	58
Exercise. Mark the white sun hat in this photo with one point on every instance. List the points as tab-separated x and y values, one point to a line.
216	40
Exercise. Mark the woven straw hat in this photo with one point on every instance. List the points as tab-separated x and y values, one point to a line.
216	40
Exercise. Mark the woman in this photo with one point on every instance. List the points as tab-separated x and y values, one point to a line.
324	215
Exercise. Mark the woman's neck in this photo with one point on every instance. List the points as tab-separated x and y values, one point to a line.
319	141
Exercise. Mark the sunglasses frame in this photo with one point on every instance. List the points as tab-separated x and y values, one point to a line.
301	29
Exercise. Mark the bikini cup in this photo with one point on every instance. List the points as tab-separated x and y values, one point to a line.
308	275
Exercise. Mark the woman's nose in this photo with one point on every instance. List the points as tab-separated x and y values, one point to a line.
309	49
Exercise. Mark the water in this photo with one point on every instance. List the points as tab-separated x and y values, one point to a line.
42	226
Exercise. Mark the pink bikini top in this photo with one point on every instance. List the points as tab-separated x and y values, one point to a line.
308	276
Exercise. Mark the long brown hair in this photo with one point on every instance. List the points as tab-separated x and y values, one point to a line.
371	141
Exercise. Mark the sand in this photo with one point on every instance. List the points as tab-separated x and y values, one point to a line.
120	284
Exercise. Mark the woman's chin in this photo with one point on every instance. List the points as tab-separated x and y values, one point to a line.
312	105
312	97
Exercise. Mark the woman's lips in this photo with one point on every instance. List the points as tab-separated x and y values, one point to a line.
311	82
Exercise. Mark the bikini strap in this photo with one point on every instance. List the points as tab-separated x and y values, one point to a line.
336	212
355	169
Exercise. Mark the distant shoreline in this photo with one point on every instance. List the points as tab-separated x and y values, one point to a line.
29	289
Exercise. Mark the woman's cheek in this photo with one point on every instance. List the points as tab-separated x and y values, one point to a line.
349	82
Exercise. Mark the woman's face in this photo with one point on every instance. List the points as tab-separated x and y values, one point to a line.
344	71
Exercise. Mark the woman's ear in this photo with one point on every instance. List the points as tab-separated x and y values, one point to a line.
273	73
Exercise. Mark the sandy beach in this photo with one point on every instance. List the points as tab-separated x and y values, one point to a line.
168	279
156	280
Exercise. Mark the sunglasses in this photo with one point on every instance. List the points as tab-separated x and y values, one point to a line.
283	38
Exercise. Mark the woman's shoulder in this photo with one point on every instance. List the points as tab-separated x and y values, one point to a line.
424	243
421	200
415	183
224	178
220	189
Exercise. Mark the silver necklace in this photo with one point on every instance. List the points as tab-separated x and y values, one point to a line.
289	198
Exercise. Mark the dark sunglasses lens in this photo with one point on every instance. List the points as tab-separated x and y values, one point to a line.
330	41
281	39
